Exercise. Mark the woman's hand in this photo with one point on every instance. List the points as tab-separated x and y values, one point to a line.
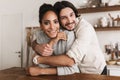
34	71
61	35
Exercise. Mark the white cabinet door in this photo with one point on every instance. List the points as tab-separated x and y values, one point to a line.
114	72
11	32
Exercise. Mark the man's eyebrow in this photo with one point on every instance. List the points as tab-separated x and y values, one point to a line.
71	12
62	16
55	19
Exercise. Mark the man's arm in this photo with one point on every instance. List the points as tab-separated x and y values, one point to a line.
51	43
59	60
34	43
46	49
42	49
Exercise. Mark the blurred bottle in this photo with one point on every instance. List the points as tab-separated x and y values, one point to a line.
103	22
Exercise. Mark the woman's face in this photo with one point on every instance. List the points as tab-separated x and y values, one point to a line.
50	24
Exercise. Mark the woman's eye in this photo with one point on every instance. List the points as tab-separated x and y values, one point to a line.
46	23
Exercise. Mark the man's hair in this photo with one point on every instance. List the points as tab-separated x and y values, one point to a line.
63	4
45	8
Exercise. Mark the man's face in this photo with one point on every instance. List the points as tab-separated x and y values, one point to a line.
68	18
50	24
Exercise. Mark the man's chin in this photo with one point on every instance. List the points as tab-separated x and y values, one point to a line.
67	28
70	29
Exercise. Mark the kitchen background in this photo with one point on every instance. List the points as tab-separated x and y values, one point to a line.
16	15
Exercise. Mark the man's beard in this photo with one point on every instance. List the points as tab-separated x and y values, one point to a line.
72	23
67	24
63	27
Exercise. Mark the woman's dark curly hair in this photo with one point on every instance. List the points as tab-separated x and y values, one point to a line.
45	8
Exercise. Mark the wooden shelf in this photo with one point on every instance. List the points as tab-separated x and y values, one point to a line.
107	28
99	9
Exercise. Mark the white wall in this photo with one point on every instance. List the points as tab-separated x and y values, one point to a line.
105	37
108	37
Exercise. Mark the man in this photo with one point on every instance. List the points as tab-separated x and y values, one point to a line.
85	50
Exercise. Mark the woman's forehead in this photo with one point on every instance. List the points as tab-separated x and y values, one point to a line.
50	15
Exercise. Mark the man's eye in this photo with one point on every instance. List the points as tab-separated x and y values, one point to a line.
62	18
56	21
71	15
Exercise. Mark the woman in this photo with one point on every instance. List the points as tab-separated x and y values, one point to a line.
48	33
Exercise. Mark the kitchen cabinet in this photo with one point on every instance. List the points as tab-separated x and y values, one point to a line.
113	70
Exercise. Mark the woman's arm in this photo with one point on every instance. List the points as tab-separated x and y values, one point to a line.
36	71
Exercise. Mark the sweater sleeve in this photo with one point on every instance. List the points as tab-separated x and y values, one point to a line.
68	70
84	32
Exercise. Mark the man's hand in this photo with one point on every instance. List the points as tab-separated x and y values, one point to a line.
44	49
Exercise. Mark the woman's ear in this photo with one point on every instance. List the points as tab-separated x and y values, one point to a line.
41	27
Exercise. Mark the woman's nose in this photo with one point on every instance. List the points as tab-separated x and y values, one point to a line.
52	26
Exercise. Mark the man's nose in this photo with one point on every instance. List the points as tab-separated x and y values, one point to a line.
69	19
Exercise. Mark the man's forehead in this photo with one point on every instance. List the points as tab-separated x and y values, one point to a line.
66	11
66	14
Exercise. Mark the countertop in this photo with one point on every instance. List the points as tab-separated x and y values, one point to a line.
16	73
